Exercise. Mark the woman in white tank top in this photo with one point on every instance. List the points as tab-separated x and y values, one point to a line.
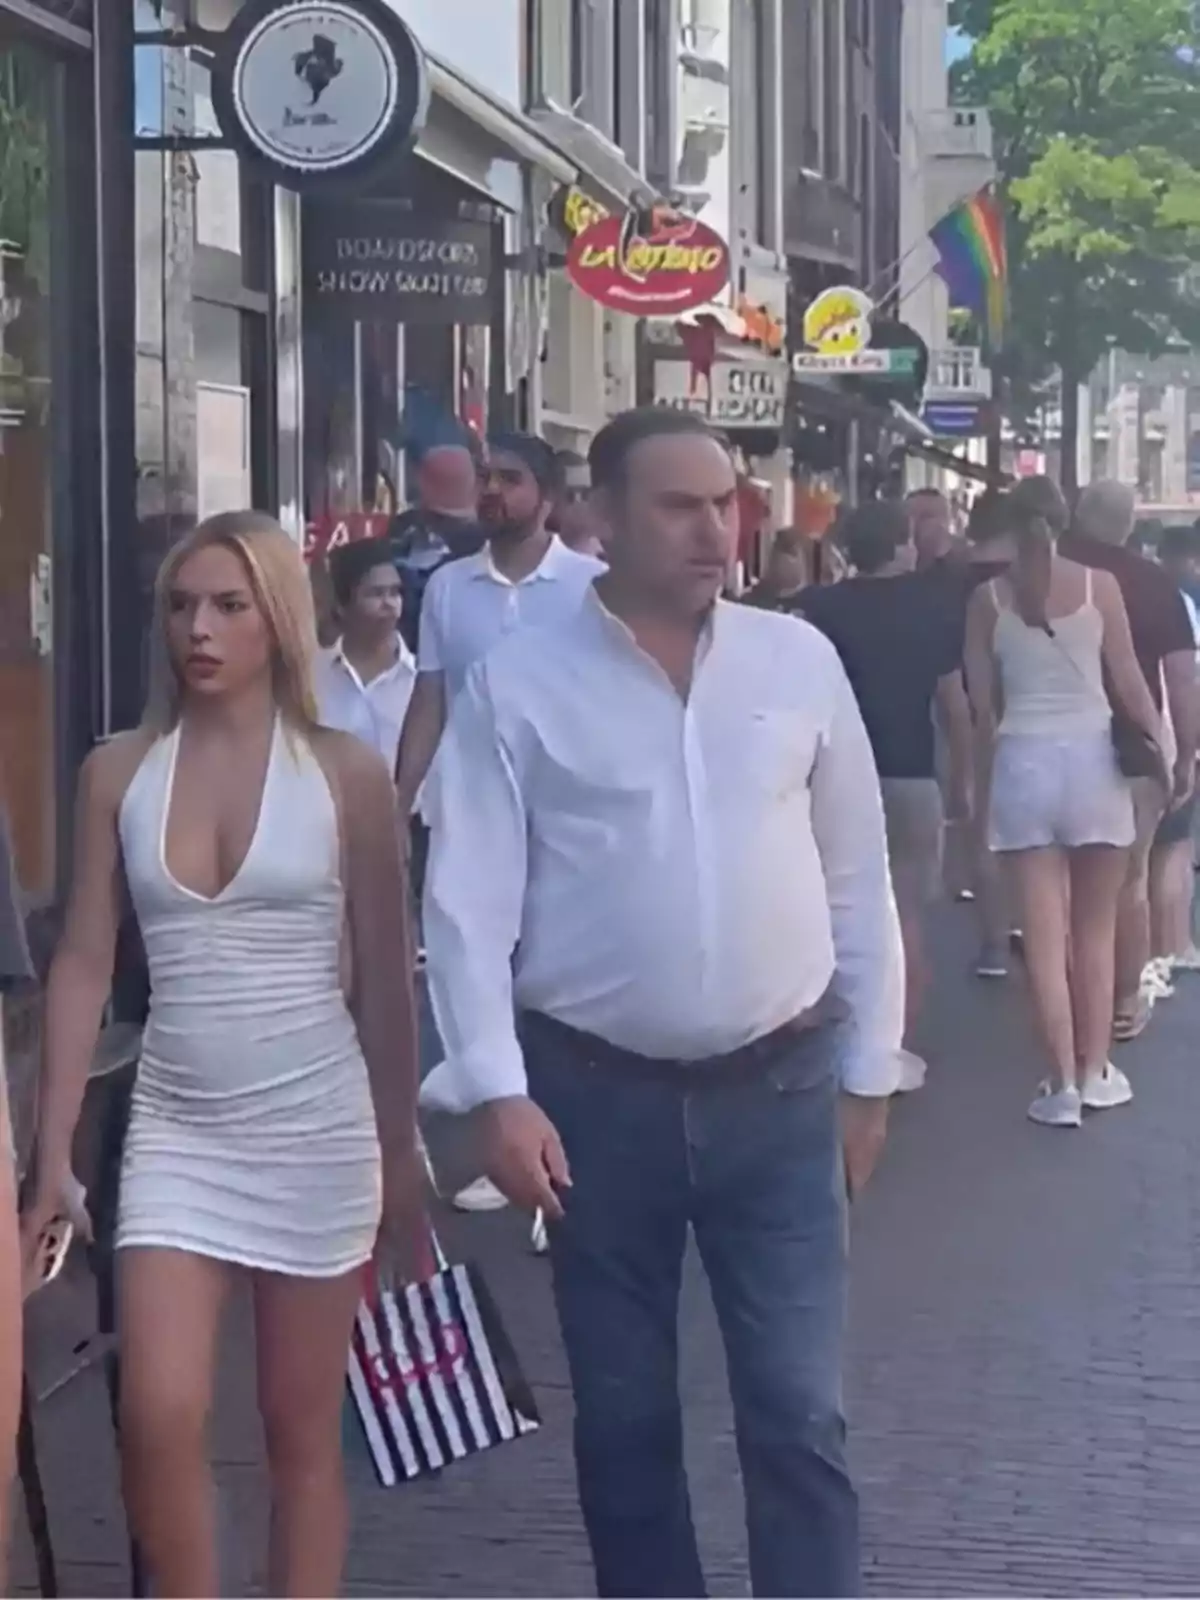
1039	643
272	1118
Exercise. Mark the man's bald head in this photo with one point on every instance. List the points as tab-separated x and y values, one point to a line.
448	481
1106	511
932	522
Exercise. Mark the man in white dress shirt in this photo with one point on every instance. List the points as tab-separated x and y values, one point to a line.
662	937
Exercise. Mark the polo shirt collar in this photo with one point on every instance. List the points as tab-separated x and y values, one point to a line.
549	568
405	660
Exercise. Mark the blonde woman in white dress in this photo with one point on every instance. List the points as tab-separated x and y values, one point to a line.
273	1119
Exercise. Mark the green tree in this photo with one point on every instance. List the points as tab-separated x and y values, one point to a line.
1095	116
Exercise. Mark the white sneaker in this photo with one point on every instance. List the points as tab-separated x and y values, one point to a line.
912	1073
482	1195
1156	980
1126	1028
1062	1108
1106	1089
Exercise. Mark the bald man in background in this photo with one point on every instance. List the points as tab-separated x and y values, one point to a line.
442	524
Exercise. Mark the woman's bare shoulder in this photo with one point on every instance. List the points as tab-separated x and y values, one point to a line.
108	770
1106	591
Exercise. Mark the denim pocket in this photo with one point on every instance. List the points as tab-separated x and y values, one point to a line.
810	1061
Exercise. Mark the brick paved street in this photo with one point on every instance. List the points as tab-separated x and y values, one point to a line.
1024	1367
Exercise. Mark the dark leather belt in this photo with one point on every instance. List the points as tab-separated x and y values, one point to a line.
746	1062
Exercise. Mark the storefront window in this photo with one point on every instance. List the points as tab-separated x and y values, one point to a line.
396	356
204	275
28	92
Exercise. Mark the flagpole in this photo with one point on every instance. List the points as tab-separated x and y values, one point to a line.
906	255
900	261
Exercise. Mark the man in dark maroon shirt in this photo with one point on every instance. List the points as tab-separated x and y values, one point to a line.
1165	647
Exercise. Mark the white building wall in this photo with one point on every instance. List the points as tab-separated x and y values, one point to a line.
923	301
1175	450
706	29
1125	419
589	368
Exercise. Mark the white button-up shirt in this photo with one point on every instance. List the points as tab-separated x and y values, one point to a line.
677	878
469	606
373	712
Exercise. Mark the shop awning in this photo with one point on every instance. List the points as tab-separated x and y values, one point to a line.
509	134
912	436
602	164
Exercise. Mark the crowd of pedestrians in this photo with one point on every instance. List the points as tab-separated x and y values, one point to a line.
667	855
1030	689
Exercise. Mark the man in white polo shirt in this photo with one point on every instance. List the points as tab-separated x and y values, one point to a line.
523	577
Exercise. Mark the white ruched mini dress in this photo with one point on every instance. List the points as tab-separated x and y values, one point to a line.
252	1135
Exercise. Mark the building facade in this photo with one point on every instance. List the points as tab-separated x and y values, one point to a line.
274	367
54	455
52	466
728	357
946	156
242	362
841	202
186	329
595	70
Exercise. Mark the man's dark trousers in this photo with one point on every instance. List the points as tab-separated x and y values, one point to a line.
753	1166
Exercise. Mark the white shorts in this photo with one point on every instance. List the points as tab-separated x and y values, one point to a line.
1067	792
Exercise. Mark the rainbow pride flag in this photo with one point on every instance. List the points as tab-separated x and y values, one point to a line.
973	260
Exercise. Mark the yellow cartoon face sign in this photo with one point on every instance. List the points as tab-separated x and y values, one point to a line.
838	322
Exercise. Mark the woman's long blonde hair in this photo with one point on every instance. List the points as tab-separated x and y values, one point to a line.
280	585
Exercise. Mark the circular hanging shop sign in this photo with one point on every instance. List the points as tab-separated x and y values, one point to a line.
649	264
319	91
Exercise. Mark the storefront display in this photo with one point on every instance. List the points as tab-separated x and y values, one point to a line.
30	502
401	293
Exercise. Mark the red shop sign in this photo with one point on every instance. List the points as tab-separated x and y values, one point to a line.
649	264
332	528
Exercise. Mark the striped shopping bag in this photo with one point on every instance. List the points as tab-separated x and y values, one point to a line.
433	1376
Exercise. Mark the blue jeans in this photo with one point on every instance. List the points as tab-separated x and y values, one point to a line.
753	1166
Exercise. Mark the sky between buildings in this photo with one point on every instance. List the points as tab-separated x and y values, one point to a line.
956	45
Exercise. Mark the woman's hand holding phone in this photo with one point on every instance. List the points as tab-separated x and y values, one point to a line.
56	1212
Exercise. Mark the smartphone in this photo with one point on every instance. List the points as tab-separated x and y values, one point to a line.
53	1247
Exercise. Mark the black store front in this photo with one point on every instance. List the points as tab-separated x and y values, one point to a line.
53	462
403	293
339	368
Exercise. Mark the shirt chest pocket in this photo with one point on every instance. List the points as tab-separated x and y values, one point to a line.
773	754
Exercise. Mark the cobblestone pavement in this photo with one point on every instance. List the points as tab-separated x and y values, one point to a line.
1024	1365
